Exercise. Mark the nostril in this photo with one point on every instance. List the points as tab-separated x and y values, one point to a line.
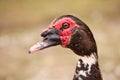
45	39
44	33
49	31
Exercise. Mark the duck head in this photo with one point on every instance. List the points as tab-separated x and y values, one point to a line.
68	31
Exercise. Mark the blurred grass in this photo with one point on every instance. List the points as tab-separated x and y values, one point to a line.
21	21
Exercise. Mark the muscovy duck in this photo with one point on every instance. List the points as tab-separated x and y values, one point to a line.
70	32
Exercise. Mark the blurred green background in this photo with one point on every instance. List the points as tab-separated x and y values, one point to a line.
21	22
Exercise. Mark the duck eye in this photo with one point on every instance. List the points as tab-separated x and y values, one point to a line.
65	25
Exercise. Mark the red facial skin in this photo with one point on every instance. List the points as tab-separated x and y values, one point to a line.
66	34
63	33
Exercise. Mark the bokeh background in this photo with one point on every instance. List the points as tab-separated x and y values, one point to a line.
21	22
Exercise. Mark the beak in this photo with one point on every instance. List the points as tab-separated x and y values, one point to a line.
50	38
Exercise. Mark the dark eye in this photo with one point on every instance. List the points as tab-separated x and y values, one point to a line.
65	25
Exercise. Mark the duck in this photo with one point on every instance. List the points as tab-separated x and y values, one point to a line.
71	32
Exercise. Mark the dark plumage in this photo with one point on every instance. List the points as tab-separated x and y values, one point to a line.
71	32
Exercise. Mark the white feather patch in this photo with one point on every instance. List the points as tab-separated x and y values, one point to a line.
87	60
90	60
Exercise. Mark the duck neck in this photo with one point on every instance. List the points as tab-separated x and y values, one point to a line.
87	68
